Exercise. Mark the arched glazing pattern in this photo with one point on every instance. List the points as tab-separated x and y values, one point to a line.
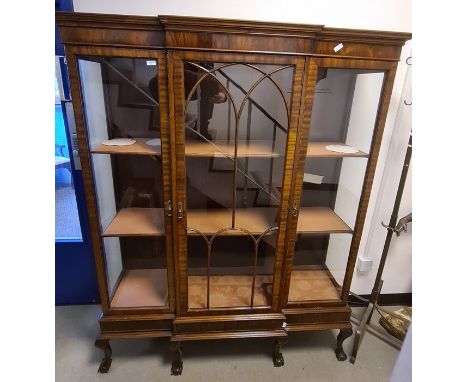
226	282
236	126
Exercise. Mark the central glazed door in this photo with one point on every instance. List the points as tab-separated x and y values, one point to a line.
236	119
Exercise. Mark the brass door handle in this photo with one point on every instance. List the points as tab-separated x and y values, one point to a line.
180	212
295	210
169	208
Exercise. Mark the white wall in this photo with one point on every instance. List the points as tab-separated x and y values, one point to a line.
392	15
397	275
366	14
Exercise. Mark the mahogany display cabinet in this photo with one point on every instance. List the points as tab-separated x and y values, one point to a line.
227	166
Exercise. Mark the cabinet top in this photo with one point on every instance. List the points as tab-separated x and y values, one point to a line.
201	33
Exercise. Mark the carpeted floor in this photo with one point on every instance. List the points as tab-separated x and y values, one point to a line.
308	356
67	222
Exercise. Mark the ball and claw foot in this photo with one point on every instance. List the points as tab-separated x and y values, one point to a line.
177	364
107	360
176	368
278	359
339	352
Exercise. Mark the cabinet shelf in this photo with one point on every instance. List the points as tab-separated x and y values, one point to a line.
259	149
137	222
318	149
234	290
138	148
312	284
320	220
219	149
258	220
228	291
255	220
141	287
150	221
199	149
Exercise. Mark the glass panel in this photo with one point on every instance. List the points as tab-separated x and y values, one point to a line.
344	113
122	116
67	221
236	125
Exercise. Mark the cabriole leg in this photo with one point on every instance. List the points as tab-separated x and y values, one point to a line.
177	364
107	360
344	333
278	359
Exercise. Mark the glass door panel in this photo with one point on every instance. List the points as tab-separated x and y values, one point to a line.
345	107
120	97
236	126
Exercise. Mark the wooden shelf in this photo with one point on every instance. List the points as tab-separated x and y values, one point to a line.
259	149
138	148
141	287
137	222
318	149
209	221
228	291
258	220
200	149
320	220
312	285
231	291
150	221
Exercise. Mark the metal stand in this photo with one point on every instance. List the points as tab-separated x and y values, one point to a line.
392	227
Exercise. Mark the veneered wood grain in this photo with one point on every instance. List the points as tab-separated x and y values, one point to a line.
306	47
73	52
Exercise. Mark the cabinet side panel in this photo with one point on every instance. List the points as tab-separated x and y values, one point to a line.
87	177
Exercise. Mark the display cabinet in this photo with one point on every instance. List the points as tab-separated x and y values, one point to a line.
228	166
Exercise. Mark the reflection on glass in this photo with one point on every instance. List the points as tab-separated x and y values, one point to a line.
122	118
344	112
67	221
236	125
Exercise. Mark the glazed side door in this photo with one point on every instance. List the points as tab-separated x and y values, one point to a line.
121	116
342	122
235	122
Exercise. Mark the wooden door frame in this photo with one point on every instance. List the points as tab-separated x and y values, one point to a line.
72	53
177	108
312	65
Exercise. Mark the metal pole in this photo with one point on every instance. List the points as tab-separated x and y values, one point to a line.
391	229
272	159
393	220
247	143
229	116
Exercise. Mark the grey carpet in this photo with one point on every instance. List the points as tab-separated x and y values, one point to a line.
67	223
308	356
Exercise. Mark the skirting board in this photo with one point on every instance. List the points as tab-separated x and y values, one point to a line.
405	299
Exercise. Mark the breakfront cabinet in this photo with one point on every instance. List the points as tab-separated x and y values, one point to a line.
227	166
